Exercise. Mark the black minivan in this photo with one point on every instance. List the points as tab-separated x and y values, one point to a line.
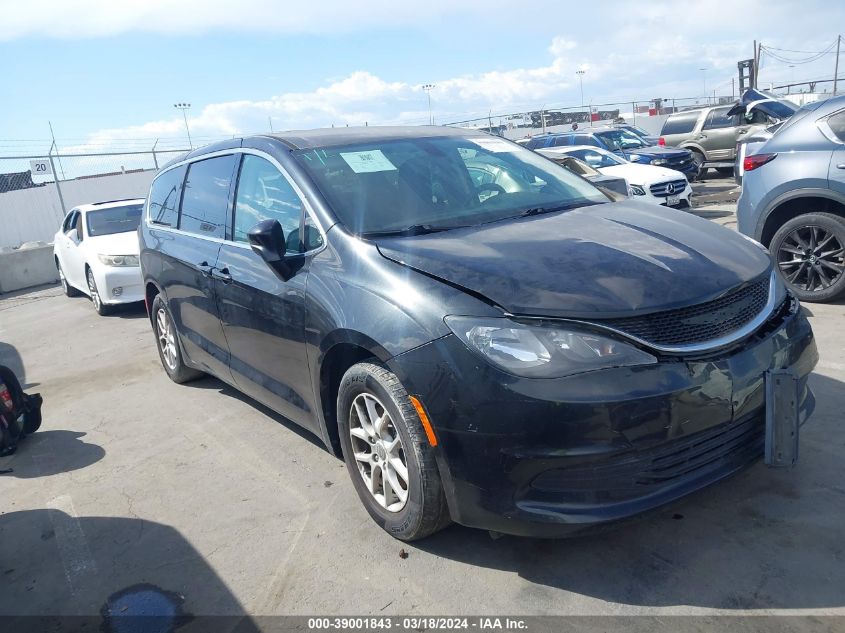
482	335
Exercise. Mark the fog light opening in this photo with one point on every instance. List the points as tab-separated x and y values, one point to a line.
117	291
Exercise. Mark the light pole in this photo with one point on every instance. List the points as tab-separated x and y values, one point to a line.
427	88
704	80
183	107
581	74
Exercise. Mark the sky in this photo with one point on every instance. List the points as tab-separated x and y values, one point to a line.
106	73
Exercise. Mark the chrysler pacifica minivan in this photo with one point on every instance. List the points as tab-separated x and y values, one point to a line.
524	356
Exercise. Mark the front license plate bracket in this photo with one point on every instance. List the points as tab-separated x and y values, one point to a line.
781	418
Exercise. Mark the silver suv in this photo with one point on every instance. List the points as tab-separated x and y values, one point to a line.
793	200
711	134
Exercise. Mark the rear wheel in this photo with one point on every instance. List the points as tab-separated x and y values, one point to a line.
101	308
69	290
810	255
388	457
167	339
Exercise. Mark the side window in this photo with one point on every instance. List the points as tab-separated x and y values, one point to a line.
585	139
561	140
265	194
717	119
683	123
164	197
205	203
70	221
836	123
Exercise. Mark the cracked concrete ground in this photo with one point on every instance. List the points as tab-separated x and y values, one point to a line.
200	491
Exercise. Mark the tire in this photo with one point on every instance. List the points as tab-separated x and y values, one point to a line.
101	308
698	159
423	511
167	344
808	252
69	290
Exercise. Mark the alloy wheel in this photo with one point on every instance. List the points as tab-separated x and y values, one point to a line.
811	258
378	452
62	279
166	339
92	287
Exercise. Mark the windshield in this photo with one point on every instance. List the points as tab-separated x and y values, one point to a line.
633	129
621	140
114	220
596	158
436	183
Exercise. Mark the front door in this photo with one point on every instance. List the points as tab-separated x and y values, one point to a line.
189	283
264	316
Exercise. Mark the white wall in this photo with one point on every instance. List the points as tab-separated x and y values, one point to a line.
29	215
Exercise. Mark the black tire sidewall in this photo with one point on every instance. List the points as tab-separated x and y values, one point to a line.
829	223
182	373
400	524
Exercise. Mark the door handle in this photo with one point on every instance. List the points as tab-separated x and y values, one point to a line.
205	268
840	166
221	274
701	137
742	132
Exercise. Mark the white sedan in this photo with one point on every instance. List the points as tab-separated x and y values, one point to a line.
96	252
645	182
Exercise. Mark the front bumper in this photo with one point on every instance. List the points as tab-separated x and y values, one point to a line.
553	456
119	284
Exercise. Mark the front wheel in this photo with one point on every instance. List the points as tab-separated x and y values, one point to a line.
101	308
388	457
69	290
701	170
810	255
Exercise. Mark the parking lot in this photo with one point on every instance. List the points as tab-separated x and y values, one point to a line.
202	493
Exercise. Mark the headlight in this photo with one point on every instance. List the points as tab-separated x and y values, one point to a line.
636	190
543	351
660	161
119	260
637	158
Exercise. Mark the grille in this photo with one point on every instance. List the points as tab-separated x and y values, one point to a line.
661	188
714	452
699	323
679	162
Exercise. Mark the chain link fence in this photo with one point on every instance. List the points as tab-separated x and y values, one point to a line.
36	190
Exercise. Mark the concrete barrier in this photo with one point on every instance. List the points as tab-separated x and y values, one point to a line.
30	265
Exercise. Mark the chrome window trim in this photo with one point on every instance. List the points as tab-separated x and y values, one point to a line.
227	152
705	346
824	127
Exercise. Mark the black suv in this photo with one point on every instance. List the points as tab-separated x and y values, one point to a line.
524	356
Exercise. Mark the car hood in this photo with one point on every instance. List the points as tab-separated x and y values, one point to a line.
115	244
643	174
658	152
767	103
607	260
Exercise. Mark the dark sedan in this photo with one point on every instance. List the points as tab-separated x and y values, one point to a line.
531	359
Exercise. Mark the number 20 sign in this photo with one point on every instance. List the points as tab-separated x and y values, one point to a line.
40	167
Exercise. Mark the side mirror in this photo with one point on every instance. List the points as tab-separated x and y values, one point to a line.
268	240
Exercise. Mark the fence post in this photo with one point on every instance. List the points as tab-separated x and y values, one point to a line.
56	180
155	158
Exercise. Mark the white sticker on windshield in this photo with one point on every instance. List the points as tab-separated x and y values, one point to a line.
367	162
493	144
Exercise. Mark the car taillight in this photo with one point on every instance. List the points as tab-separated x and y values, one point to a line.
756	160
661	141
6	397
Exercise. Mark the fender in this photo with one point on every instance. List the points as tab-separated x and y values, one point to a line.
807	192
694	146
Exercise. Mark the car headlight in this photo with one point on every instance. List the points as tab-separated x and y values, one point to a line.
637	158
636	190
119	260
543	351
659	162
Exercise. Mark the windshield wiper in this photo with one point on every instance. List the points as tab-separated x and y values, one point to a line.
414	229
563	207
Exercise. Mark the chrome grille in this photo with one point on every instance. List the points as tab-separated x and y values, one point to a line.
699	323
661	188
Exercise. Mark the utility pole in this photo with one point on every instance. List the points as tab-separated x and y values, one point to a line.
184	107
270	121
836	68
704	81
732	89
56	180
758	53
427	88
61	167
581	74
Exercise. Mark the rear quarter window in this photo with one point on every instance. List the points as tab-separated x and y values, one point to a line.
836	123
164	197
205	204
683	123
